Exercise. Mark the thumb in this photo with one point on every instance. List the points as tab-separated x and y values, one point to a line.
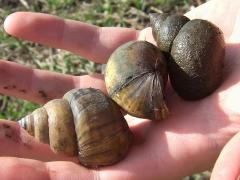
228	162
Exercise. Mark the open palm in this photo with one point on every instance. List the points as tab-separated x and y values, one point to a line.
188	141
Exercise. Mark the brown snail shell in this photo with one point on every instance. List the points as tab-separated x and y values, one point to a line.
85	123
135	78
196	49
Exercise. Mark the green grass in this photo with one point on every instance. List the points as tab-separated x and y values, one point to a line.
122	13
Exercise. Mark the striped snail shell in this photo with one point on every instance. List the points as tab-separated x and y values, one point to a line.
85	123
135	77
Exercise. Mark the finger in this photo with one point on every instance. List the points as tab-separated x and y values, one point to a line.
90	41
21	169
16	142
225	15
228	163
40	86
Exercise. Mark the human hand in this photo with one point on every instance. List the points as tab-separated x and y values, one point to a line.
188	141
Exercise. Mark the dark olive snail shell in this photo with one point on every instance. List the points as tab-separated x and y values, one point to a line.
196	49
85	123
135	77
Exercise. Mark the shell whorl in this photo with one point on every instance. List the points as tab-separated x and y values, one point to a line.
53	124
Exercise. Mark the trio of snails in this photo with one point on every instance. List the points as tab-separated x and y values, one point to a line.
88	124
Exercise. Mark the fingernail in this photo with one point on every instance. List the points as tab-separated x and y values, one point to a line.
7	22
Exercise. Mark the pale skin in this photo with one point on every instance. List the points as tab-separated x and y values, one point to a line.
189	141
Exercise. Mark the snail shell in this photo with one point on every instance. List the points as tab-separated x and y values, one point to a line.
135	77
84	123
196	49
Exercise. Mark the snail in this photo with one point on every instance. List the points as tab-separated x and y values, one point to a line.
86	123
196	49
135	77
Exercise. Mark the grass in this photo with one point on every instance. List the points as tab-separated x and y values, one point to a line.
122	13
